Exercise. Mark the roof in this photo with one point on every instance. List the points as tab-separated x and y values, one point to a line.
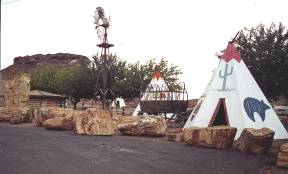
43	94
231	53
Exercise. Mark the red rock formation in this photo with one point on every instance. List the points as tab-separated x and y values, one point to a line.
28	63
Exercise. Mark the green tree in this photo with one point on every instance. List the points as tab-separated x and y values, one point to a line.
75	82
265	51
127	80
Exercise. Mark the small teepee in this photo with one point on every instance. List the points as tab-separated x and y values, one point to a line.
233	98
157	84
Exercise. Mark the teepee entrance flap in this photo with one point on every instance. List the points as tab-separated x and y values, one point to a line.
220	116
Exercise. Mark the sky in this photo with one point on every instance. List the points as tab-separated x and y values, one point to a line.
187	33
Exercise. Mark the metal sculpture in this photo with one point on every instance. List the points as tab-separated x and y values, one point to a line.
157	99
104	89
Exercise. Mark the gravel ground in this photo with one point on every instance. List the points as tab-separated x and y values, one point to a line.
26	149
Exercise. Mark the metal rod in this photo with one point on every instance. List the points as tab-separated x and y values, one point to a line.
235	37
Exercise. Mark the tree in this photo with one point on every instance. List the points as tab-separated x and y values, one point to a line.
75	82
127	80
265	51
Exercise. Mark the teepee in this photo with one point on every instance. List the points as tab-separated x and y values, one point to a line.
157	84
233	98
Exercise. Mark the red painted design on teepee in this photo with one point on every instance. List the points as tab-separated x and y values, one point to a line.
157	75
231	53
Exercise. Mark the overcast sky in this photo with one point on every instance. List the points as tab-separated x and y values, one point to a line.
188	33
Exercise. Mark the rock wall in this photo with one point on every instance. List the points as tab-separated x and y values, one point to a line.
16	92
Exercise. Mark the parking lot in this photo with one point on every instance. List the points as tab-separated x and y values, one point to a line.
26	149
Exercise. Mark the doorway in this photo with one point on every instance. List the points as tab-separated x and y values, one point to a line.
220	117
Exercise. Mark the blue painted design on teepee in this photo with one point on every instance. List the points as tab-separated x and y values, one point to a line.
252	105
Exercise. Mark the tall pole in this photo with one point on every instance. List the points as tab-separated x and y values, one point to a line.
104	55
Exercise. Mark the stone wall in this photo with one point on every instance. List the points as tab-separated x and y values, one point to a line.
16	92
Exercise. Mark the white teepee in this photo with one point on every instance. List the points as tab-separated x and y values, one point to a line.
233	98
157	84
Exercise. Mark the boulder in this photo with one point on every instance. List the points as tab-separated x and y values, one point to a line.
175	135
38	118
60	112
81	122
24	114
143	126
192	136
220	137
282	157
16	119
118	119
94	122
256	141
59	123
5	116
15	116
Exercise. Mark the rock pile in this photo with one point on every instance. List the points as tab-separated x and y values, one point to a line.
16	116
220	137
152	126
94	122
256	141
5	115
282	158
16	119
38	116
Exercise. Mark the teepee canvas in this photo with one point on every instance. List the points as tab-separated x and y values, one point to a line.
233	98
157	84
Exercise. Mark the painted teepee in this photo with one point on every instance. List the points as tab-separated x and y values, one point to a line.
157	84
233	98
